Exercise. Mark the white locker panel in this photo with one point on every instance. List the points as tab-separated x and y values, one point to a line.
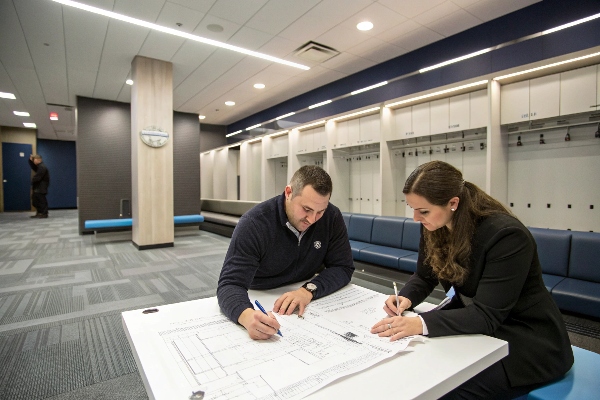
459	112
206	172
544	97
376	179
398	168
353	132
454	155
320	139
366	184
220	174
421	120
474	163
439	116
578	90
280	177
280	146
403	123
411	162
370	129
341	130
598	87
355	184
233	159
438	153
479	114
514	102
255	150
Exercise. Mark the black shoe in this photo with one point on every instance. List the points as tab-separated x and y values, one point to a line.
35	216
43	216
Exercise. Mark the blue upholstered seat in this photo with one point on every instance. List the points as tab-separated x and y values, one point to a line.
127	222
553	248
383	255
581	382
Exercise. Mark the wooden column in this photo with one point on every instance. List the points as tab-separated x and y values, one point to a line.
152	167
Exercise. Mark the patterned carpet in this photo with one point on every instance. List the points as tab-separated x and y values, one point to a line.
61	298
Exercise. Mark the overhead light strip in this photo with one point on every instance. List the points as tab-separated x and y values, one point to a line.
21	113
570	24
7	95
369	88
455	60
319	104
252	127
254	140
425	96
284	116
175	32
233	133
29	125
546	66
322	122
355	114
277	134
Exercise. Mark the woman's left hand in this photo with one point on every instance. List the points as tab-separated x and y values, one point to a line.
398	327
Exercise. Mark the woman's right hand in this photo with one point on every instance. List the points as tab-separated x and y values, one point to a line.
390	305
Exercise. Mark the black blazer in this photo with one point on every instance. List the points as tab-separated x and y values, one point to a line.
503	296
41	179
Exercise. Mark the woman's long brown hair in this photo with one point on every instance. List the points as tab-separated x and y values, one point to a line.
448	252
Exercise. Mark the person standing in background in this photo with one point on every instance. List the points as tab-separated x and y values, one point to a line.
39	185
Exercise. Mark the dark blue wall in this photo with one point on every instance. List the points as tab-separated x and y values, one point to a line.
61	160
530	20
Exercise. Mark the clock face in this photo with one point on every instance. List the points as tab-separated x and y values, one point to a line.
154	136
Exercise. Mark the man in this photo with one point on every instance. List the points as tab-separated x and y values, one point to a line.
39	184
284	240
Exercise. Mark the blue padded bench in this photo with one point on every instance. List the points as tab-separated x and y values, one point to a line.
581	382
127	222
553	248
580	290
391	242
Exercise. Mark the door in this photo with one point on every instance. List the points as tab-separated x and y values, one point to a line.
17	176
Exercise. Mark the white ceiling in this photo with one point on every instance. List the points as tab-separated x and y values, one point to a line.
50	53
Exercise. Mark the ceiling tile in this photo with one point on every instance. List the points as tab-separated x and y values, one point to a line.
13	46
399	31
418	38
435	13
235	10
276	15
341	38
382	18
229	28
279	47
464	3
411	8
199	5
348	63
377	50
146	10
249	38
173	14
454	23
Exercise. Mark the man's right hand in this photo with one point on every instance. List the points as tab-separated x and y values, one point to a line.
259	325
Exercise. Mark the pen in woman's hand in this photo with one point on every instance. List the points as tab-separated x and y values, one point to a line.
264	312
397	301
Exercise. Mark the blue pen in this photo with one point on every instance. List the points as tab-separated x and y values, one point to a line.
264	312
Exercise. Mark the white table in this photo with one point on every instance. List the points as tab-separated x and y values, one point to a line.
432	369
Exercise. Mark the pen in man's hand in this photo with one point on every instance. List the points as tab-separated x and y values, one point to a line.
264	312
397	301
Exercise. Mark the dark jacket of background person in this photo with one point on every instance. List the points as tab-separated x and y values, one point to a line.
264	254
41	179
503	296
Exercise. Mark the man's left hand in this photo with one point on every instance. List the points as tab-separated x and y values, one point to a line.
288	302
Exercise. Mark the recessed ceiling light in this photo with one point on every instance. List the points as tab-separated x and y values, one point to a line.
201	116
364	26
7	95
179	33
259	85
129	82
230	103
214	28
21	113
29	125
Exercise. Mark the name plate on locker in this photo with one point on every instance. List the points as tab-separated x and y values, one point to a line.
154	137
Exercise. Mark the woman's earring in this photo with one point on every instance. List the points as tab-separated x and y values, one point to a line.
452	209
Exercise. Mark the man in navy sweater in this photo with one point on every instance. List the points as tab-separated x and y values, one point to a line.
286	239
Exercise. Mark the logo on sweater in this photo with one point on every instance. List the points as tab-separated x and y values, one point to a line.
317	245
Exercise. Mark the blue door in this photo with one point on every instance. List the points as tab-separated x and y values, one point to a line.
17	176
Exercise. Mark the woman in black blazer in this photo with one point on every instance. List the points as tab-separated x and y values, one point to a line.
471	242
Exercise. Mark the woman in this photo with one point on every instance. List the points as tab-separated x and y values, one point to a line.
472	243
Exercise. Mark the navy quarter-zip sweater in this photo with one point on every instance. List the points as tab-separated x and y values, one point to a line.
264	254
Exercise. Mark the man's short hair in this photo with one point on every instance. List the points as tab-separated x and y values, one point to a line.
37	156
313	176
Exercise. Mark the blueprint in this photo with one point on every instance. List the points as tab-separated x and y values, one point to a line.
331	341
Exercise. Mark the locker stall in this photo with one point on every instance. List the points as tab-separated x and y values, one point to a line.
275	176
251	170
207	173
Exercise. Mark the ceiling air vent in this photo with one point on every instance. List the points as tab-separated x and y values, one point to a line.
315	52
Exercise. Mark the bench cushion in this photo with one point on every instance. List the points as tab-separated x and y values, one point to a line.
578	296
581	382
411	235
551	280
107	223
409	263
218	218
382	255
360	227
387	231
553	247
356	246
585	256
188	219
